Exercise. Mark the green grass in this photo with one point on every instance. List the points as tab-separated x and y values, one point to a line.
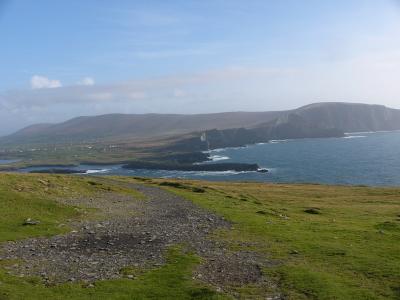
327	242
105	152
172	281
33	196
349	249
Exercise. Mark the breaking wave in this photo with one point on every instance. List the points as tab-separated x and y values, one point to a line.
218	157
97	171
354	136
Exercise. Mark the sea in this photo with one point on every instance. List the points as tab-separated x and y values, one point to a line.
365	158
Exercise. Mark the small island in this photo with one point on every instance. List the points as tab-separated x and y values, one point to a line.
217	167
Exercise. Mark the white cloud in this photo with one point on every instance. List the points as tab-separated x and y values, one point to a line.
86	81
100	96
234	88
42	82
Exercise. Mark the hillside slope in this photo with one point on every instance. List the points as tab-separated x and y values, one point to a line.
315	120
122	126
350	117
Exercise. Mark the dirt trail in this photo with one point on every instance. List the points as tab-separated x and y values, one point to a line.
134	233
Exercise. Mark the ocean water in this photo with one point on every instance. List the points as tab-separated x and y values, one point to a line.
358	159
8	161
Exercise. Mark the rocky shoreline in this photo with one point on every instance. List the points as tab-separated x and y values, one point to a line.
186	161
59	171
216	167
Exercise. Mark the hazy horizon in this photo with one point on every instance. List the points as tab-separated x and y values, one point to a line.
68	59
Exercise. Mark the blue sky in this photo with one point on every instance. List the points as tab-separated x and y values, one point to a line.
60	59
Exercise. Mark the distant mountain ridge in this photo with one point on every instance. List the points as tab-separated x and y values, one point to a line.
351	117
314	120
140	126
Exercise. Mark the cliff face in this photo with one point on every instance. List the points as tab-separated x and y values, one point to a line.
292	126
313	121
296	126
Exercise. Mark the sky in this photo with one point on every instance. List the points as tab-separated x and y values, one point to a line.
67	58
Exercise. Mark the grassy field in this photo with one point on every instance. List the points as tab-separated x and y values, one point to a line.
324	242
104	152
33	196
327	242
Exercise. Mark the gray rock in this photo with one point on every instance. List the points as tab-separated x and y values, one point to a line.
30	221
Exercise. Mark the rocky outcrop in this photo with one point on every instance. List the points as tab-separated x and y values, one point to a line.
59	171
170	166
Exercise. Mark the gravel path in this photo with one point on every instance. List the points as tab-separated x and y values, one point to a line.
134	233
